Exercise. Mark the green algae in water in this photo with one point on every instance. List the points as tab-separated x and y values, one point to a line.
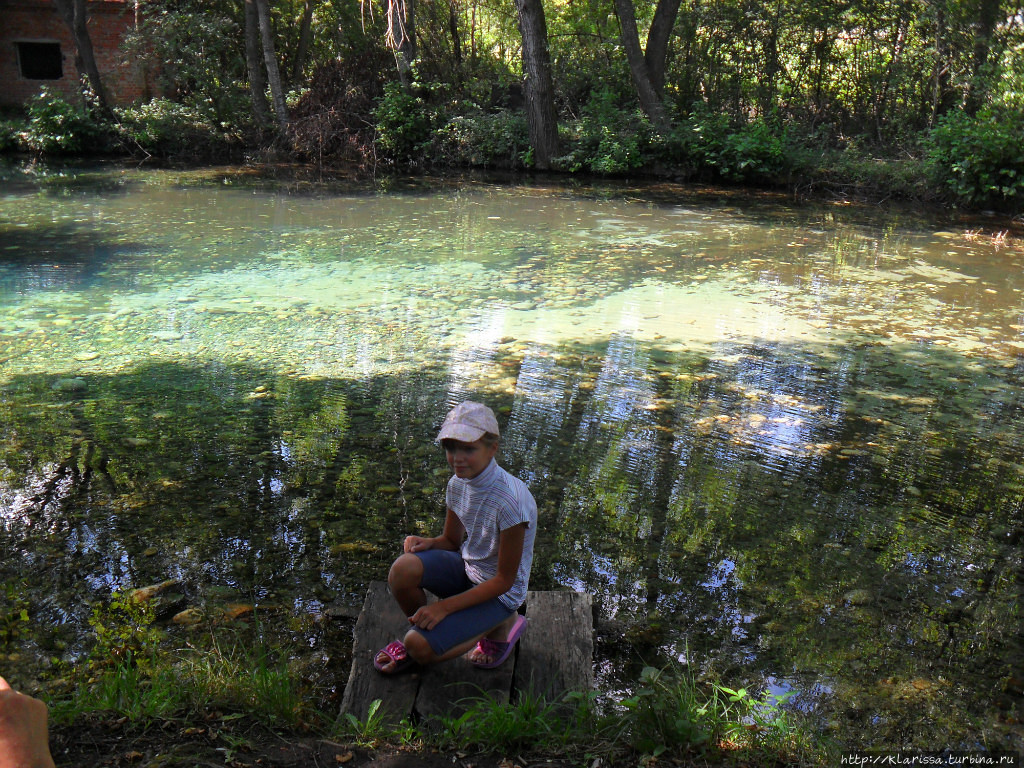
791	439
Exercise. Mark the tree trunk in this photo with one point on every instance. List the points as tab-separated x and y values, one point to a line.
453	30
656	54
987	18
75	16
650	101
772	65
254	65
270	59
538	87
401	36
305	35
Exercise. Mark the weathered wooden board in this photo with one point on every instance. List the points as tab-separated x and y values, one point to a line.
553	655
446	688
556	653
380	622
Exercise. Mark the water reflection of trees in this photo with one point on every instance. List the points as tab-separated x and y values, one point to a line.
849	517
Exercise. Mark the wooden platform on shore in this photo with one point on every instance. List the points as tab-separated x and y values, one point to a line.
553	655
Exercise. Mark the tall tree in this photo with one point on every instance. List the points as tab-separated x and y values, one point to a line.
647	68
656	52
270	59
986	17
541	117
75	16
254	65
305	36
401	36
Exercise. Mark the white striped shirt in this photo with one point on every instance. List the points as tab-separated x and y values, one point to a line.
487	504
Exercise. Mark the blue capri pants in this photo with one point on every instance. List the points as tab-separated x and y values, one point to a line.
444	575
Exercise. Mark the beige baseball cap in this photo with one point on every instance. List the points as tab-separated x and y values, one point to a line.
467	422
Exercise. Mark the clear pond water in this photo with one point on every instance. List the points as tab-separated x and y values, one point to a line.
780	445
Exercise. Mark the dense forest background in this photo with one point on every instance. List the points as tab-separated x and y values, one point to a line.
921	99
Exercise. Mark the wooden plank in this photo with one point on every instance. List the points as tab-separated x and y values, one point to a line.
380	622
553	655
446	687
556	651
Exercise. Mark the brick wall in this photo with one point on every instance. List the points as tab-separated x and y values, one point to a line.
39	21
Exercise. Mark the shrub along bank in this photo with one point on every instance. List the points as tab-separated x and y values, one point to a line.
226	689
971	161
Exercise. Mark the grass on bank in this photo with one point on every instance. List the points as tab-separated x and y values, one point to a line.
669	713
130	676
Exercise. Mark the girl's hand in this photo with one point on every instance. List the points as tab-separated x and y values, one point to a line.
417	544
429	616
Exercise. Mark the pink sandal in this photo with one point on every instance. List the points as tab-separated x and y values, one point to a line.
499	650
398	655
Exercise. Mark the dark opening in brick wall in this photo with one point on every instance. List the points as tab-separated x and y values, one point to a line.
40	61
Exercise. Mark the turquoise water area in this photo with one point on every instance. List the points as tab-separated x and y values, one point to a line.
781	445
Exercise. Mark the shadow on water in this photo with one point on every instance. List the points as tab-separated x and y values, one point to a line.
57	257
843	521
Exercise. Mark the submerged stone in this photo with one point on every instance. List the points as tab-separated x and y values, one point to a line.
70	385
858	597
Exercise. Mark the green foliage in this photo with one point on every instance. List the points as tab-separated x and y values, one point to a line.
707	145
366	732
9	135
14	616
162	126
247	679
129	691
124	630
404	123
671	711
500	139
58	127
529	722
251	679
981	158
194	50
609	140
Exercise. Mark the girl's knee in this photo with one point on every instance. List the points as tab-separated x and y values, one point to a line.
407	570
418	647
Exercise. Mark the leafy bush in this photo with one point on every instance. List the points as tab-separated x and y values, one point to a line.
500	139
609	140
981	158
192	48
8	136
403	124
163	126
705	144
56	126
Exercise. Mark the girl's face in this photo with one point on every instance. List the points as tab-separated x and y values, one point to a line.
468	460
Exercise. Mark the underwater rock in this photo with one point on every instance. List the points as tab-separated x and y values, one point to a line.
69	385
188	618
163	598
858	597
143	594
344	611
237	611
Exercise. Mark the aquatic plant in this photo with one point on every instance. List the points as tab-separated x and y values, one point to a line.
14	617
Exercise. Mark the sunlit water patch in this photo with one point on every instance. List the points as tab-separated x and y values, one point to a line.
781	446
